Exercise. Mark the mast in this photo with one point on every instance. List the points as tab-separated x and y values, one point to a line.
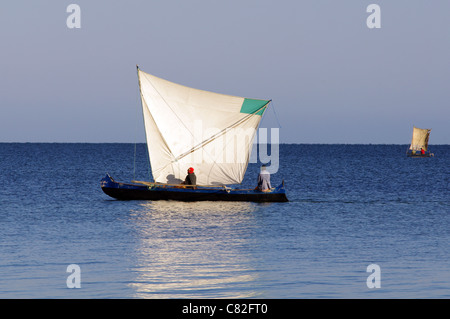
143	119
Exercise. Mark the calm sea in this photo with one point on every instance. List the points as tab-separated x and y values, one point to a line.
350	206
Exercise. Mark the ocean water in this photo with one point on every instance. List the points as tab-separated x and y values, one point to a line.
350	206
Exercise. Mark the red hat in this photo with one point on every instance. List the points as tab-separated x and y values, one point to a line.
191	170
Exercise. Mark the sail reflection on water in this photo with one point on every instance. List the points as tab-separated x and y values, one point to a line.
193	249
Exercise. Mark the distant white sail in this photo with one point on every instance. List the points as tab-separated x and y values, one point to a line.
420	139
187	127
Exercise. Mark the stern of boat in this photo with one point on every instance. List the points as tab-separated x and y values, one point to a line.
281	192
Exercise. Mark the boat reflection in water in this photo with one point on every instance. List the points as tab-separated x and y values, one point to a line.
194	250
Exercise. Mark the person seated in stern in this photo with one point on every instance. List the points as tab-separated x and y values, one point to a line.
264	180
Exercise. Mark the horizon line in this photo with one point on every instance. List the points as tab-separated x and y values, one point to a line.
303	143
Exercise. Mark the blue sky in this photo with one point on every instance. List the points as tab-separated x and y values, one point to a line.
332	79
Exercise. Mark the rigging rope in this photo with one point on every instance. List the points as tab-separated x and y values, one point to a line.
276	116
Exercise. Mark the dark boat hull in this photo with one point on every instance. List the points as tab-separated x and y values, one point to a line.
418	154
123	191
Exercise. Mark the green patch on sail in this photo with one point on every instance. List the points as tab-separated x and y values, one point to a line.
251	106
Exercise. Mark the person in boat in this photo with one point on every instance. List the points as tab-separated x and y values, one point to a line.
422	151
191	179
264	180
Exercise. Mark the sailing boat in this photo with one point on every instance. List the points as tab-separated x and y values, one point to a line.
419	143
191	128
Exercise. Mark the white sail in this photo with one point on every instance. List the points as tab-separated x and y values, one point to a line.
187	127
419	139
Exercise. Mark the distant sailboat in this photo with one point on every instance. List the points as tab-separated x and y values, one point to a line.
419	143
187	127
